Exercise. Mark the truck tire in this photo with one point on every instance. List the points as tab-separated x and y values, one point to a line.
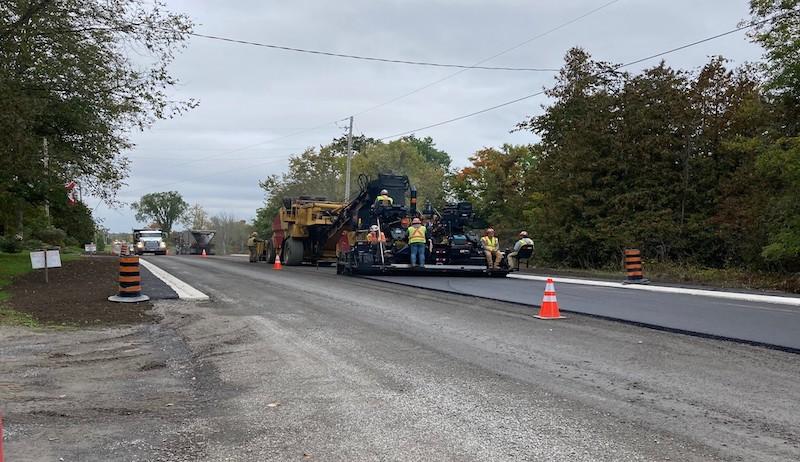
292	252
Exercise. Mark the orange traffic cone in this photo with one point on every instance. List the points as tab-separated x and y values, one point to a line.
277	264
204	254
549	309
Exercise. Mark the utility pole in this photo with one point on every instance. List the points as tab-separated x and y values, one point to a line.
349	159
46	181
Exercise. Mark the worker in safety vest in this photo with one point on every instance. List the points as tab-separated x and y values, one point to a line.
491	248
523	241
375	235
384	199
251	246
417	239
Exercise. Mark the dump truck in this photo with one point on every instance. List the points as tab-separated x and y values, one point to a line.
195	241
310	230
147	240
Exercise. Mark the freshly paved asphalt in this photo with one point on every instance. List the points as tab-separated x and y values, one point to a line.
154	287
763	323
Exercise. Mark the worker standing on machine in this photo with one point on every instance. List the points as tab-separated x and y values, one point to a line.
384	199
375	235
491	248
251	246
523	241
417	238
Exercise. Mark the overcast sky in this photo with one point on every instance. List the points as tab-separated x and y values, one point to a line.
257	96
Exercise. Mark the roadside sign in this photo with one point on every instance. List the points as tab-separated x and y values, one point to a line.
46	259
50	258
90	248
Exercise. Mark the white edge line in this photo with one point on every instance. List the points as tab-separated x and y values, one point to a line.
184	290
794	301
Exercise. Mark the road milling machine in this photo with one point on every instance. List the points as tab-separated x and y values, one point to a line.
316	230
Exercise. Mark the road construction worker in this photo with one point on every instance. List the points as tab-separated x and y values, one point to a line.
375	235
491	248
384	199
343	245
251	246
417	239
523	241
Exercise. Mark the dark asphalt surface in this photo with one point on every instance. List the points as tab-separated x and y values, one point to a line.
764	323
303	364
154	287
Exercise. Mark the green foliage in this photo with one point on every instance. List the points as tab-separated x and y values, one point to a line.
51	236
164	209
9	244
321	172
67	75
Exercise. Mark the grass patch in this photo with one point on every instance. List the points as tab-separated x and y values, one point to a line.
15	318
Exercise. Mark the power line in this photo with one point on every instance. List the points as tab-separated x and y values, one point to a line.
614	68
489	58
371	58
476	65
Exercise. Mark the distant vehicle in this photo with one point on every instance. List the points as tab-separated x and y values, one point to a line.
149	241
195	241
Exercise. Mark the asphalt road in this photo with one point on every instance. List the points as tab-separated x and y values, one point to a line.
302	364
764	323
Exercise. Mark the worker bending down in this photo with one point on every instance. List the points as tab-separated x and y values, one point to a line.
251	246
417	239
491	248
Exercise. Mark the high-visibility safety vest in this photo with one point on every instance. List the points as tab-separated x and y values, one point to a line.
373	237
490	243
416	235
384	199
522	242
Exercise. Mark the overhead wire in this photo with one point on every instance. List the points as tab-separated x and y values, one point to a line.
372	58
613	68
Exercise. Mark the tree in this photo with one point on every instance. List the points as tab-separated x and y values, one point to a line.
164	209
67	74
427	148
196	217
232	233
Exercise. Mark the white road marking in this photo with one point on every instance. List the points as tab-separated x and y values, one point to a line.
794	301
184	290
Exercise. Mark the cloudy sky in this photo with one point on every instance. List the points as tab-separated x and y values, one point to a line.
259	105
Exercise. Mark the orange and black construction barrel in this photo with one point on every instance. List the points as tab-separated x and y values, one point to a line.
633	267
130	282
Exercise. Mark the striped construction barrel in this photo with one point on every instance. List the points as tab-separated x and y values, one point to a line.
130	281
633	266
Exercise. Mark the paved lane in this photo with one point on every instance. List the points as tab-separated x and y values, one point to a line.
361	370
764	323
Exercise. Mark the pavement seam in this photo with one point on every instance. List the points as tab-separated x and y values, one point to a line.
184	290
775	299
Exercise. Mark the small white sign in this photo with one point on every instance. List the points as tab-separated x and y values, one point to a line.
90	247
38	259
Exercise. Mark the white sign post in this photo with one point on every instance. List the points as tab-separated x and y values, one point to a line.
50	258
90	248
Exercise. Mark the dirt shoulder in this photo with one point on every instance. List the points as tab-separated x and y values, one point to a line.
100	394
77	295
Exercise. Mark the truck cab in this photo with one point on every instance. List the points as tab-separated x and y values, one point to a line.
149	241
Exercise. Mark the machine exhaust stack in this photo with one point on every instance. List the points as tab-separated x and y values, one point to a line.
412	208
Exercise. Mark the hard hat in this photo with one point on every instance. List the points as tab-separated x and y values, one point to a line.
383	191
416	221
523	233
489	230
253	234
373	228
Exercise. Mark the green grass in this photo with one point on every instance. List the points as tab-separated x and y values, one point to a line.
14	264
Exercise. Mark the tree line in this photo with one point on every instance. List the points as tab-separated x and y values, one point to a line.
71	93
693	166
